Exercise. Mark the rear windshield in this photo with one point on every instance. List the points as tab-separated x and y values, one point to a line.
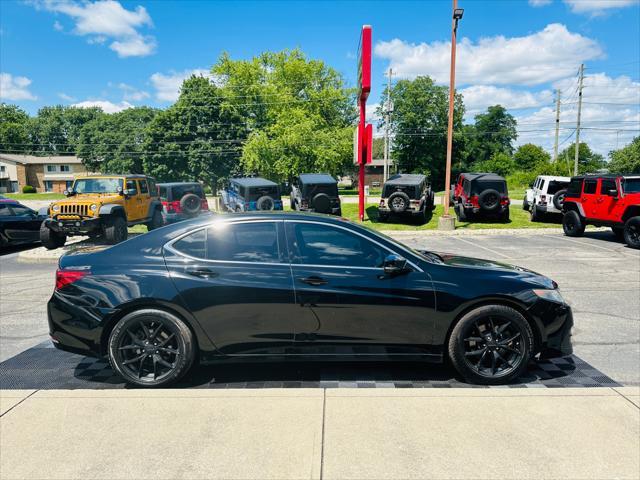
179	191
312	190
631	185
480	186
413	191
162	192
555	186
254	193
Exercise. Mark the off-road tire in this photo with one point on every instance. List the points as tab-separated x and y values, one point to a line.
383	217
456	346
266	203
166	322
525	204
534	215
156	220
558	198
632	232
618	232
504	216
321	203
50	239
398	202
115	230
460	213
191	204
485	200
572	224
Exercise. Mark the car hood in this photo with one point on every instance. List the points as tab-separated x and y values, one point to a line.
93	198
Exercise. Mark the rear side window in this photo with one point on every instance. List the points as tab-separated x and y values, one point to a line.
590	186
244	242
4	211
144	188
575	187
606	185
194	245
163	192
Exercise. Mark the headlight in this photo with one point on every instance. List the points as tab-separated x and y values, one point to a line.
55	208
551	295
93	207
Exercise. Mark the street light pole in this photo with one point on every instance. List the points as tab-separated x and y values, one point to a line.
446	221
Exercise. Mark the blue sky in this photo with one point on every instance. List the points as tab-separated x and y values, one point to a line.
513	52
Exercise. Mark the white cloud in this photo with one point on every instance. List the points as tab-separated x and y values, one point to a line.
15	88
539	3
598	7
132	94
479	97
58	26
107	19
168	86
550	54
105	105
66	98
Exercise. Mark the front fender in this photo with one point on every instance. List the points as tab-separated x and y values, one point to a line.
111	208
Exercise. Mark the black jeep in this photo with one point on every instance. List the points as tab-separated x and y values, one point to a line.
408	195
316	192
481	195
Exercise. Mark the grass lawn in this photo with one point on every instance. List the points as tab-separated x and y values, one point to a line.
519	219
34	196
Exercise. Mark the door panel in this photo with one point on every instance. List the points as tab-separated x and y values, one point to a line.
605	206
589	198
132	201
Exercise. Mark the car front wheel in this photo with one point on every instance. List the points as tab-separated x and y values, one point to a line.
151	348
50	239
491	345
115	230
572	224
632	232
156	220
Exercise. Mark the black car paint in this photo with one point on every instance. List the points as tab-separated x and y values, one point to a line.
19	229
252	310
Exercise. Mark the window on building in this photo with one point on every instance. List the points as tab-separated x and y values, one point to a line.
51	168
48	186
2	168
65	168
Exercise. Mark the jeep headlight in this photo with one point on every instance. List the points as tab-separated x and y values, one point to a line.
55	208
550	295
93	207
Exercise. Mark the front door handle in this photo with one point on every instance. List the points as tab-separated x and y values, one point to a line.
314	281
201	272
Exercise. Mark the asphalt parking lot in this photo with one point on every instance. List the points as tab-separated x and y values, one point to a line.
599	276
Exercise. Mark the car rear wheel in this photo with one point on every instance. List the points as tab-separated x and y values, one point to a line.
115	230
572	224
151	348
460	213
525	204
618	232
535	215
632	232
50	239
156	220
491	345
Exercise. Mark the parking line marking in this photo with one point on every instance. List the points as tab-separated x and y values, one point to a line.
601	248
481	246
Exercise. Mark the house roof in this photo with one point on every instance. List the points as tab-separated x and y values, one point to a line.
317	179
34	160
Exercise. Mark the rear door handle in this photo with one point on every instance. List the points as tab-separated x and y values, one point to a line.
314	281
201	272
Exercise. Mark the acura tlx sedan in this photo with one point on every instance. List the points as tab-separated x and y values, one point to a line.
299	286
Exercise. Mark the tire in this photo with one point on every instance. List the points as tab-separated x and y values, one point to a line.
191	204
534	215
618	232
489	200
265	203
50	239
398	202
115	230
501	340
430	201
632	232
383	217
504	216
321	203
572	224
558	198
294	205
525	204
151	336
460	213
156	220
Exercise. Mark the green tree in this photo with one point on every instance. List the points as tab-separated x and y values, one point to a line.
197	138
626	159
115	143
14	129
56	130
499	163
527	156
588	161
298	111
493	132
419	125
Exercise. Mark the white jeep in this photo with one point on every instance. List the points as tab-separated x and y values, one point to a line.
546	195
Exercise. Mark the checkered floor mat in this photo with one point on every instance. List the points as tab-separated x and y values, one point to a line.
44	367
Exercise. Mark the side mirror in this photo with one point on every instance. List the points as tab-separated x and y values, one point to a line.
612	193
128	192
394	264
69	193
531	185
119	191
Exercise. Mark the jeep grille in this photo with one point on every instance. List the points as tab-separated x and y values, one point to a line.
74	209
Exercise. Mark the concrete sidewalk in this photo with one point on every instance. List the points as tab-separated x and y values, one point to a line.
317	433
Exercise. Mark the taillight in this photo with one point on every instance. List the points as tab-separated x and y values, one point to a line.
304	204
474	201
382	202
67	277
543	199
204	204
172	207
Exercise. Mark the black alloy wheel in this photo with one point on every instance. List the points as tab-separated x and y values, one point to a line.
151	348
489	200
632	232
572	224
156	220
491	345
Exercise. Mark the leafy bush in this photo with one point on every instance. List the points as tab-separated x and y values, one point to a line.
499	163
28	189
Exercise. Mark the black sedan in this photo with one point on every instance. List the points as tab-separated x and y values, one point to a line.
18	224
299	285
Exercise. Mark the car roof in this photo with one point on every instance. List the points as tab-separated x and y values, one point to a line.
115	175
405	179
177	184
317	178
253	182
608	175
555	177
483	176
9	201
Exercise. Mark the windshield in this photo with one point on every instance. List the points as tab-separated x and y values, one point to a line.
97	185
256	192
631	185
411	190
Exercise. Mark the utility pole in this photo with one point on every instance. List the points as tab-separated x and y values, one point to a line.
577	153
555	145
387	113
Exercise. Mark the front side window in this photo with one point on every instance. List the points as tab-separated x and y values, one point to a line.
132	187
144	188
20	211
590	186
317	244
606	185
97	185
4	211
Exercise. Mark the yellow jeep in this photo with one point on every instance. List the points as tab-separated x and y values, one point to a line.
104	205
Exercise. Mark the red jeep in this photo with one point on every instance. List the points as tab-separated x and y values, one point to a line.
604	201
480	194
